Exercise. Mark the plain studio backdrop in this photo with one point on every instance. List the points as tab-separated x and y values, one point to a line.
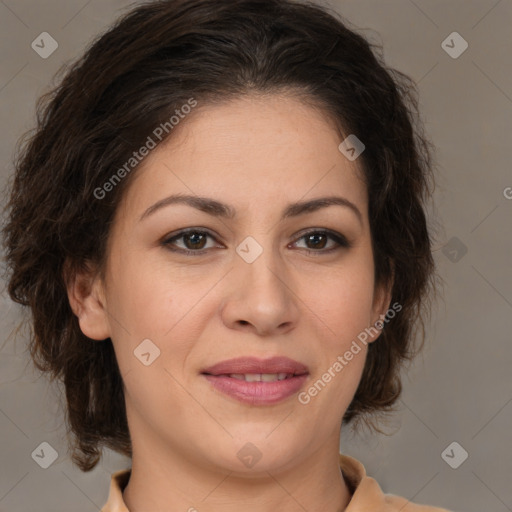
450	444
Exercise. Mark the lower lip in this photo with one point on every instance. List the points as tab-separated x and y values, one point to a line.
257	393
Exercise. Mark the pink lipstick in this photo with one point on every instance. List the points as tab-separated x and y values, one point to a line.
257	381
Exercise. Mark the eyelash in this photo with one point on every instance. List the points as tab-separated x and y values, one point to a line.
340	240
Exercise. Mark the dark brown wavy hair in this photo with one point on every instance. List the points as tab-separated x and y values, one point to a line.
129	81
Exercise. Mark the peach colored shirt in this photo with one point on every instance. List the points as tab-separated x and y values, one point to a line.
367	495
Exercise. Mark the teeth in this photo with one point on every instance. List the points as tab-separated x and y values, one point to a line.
259	377
238	376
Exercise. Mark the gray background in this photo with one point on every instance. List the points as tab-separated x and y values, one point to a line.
460	388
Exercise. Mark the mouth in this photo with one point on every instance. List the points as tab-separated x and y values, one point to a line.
256	381
254	366
257	377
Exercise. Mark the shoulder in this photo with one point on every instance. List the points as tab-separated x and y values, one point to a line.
367	493
118	482
394	502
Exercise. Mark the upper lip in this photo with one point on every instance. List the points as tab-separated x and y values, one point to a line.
244	365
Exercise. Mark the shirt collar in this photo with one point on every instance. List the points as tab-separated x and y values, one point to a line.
366	492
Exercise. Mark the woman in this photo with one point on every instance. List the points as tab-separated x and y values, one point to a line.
219	227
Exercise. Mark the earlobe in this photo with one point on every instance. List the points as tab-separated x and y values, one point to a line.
87	301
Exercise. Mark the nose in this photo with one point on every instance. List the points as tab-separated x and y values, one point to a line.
260	297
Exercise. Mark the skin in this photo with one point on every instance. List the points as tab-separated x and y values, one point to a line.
256	154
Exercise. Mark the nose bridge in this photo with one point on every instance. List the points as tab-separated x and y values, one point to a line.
261	263
260	295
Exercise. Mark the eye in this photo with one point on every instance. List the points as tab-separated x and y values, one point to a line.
318	240
194	240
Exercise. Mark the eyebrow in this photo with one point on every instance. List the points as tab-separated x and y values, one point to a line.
218	209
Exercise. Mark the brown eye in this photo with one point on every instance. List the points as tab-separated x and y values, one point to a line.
193	240
316	241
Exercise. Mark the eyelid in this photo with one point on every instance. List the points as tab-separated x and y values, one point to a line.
176	235
340	239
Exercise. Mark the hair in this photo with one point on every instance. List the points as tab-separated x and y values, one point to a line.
129	81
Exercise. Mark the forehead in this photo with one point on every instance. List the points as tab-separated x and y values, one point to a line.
255	150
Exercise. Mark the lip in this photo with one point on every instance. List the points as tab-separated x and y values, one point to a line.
257	393
278	364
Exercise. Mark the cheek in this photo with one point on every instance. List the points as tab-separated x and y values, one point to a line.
149	301
339	312
340	318
152	334
339	301
143	294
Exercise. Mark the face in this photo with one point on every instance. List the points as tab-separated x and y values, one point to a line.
256	283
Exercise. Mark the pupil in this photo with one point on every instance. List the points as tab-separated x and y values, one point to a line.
314	236
194	242
192	238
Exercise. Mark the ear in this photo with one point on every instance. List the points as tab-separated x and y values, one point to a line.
381	302
87	300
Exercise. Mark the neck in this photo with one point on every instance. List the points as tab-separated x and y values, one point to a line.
174	483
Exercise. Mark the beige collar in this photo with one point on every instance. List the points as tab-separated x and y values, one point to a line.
366	492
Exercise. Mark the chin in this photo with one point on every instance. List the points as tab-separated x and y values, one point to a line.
256	452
